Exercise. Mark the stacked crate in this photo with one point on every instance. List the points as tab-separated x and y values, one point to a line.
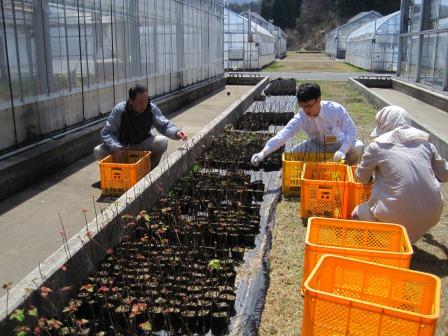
292	168
356	279
325	190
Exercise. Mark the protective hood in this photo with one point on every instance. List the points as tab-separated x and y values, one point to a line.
393	125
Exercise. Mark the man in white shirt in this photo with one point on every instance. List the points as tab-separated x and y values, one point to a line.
327	124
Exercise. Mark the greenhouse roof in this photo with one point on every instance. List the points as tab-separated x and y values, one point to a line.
359	16
353	19
371	28
260	29
259	17
362	14
256	28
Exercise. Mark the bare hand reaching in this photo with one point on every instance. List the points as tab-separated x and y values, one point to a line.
182	135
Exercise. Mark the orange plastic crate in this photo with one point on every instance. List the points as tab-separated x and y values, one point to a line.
382	243
117	178
359	193
292	167
325	190
351	297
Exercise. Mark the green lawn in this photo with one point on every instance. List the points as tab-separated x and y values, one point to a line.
315	62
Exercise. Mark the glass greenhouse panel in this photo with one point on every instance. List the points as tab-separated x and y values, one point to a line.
413	58
331	43
427	59
83	55
374	46
443	15
278	34
244	48
404	56
337	38
7	116
440	59
424	44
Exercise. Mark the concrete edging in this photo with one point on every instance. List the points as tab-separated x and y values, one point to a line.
105	228
426	95
380	102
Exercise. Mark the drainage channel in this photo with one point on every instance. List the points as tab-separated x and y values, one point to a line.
196	263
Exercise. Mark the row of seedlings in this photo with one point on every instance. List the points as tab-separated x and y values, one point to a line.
175	269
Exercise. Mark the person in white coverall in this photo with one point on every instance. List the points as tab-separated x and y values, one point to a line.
406	170
327	124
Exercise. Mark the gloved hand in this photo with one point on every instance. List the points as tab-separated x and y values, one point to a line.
257	158
338	156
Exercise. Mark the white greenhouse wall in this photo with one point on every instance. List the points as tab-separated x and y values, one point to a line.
66	62
424	43
277	32
337	38
244	51
331	43
374	46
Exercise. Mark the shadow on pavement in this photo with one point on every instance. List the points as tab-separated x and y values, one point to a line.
424	261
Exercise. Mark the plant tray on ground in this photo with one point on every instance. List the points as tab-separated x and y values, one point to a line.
281	87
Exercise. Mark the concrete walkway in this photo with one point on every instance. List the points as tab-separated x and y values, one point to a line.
29	221
303	76
432	119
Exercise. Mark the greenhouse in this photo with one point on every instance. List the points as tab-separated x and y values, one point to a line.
277	32
374	46
66	62
424	43
246	49
336	40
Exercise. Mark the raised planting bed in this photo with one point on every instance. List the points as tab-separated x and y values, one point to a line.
175	269
281	87
278	110
195	263
232	149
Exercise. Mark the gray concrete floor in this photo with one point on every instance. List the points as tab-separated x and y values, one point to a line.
29	221
430	117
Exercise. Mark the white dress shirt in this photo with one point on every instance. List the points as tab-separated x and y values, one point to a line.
332	123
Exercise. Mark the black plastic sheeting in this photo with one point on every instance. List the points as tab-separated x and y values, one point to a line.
281	87
253	279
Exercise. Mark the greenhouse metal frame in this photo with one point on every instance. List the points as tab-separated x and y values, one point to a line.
244	48
277	32
64	62
424	43
336	40
374	46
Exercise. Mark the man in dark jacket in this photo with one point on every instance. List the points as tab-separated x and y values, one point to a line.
129	127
